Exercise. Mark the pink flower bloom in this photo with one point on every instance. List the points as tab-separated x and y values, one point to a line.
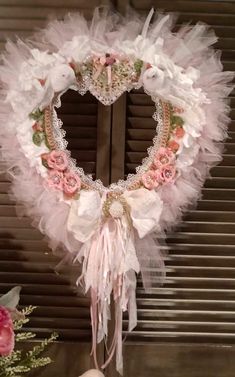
110	59
173	145
177	110
71	183
55	179
167	173
5	317
179	132
102	60
150	179
57	160
7	336
164	157
37	127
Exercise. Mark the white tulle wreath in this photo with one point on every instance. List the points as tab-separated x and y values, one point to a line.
112	231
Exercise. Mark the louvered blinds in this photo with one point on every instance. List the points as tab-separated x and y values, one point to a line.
80	123
184	324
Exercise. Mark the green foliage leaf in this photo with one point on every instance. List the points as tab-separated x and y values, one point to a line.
37	115
24	336
138	66
176	120
38	138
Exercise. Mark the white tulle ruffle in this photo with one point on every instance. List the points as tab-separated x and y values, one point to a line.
185	71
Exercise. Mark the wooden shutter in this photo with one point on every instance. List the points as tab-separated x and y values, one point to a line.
25	258
187	327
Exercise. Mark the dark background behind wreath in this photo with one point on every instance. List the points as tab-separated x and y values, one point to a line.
187	327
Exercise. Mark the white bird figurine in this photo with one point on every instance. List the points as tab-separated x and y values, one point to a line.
61	77
154	79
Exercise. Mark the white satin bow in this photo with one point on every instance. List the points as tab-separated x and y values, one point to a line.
86	213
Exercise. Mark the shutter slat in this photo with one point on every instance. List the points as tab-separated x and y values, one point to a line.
40	289
202	261
191	293
80	5
79	116
209	215
201	249
186	6
29	13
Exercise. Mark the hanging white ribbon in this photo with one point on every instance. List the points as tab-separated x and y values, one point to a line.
109	257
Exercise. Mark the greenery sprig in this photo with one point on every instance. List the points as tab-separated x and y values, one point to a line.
21	362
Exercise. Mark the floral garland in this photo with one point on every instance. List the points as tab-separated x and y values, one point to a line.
60	177
113	231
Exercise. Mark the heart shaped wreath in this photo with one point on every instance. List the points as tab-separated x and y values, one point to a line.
113	231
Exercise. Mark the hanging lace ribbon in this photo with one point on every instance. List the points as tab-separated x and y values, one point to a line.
111	230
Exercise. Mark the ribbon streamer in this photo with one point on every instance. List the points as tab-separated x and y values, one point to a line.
109	258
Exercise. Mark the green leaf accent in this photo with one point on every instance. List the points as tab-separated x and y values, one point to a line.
177	120
138	66
38	138
37	115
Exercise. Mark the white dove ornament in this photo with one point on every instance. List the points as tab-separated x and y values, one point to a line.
153	79
61	77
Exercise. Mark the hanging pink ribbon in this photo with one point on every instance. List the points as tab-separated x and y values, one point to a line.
109	258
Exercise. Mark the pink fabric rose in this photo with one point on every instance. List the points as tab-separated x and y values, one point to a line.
37	127
57	160
179	132
177	110
164	157
173	145
110	59
55	179
150	179
168	173
71	183
102	60
7	336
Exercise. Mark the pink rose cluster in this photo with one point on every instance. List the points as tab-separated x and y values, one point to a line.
162	171
108	59
59	175
7	336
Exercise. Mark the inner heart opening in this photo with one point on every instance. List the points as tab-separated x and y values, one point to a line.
79	115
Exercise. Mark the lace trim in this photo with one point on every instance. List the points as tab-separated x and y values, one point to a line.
162	131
